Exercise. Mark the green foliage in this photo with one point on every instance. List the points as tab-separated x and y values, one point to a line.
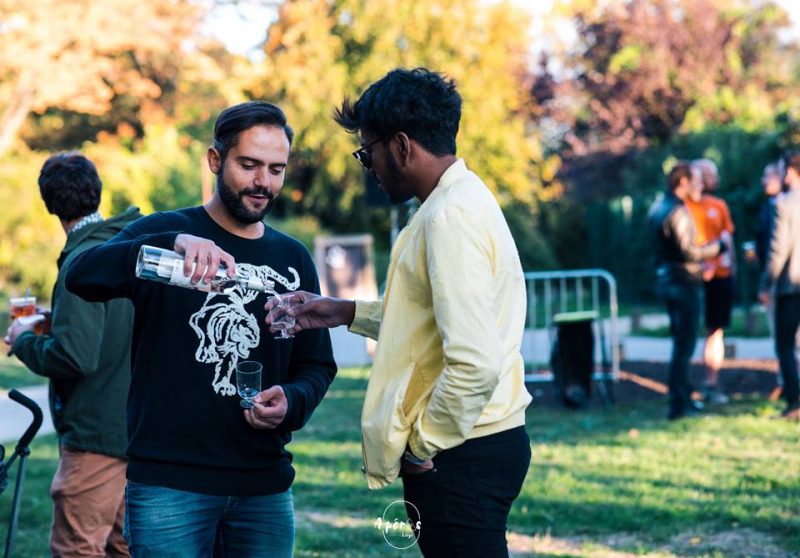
163	172
646	82
30	238
618	241
534	252
304	229
325	51
649	82
627	59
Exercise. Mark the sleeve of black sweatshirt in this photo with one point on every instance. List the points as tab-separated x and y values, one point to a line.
311	366
108	271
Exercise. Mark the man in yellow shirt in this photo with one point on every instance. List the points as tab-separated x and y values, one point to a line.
445	404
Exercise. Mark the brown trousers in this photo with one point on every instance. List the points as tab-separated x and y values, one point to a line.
88	493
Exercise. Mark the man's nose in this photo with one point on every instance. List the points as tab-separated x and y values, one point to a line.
262	178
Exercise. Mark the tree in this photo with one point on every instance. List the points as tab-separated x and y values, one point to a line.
319	51
643	72
642	66
81	55
647	82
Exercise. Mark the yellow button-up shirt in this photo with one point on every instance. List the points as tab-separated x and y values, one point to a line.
447	365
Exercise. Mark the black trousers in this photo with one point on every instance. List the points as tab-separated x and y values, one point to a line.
787	320
464	501
683	306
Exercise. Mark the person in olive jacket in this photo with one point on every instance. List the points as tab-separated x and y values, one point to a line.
86	356
679	277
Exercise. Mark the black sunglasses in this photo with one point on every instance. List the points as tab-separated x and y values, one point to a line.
365	157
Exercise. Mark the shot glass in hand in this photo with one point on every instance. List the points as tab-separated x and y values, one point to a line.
248	381
280	319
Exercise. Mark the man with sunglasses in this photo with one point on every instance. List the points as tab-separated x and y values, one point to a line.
445	405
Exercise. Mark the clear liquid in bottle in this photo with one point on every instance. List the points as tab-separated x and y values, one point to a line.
166	266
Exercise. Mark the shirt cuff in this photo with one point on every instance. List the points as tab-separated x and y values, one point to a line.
367	319
20	342
418	448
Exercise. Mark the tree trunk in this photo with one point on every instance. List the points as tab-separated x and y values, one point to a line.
14	115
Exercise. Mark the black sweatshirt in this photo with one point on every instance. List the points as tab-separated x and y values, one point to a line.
186	428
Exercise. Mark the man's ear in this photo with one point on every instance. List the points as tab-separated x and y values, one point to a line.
214	160
404	148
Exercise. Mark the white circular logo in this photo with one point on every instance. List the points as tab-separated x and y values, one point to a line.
400	524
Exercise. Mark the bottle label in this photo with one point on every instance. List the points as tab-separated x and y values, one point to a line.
178	278
255	284
166	267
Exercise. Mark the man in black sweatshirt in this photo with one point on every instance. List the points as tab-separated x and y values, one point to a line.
679	276
202	473
86	355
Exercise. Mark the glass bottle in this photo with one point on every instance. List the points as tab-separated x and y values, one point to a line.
166	266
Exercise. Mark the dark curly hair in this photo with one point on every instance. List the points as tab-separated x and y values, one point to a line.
70	186
423	104
236	119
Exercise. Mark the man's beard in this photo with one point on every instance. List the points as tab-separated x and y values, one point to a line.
236	207
395	194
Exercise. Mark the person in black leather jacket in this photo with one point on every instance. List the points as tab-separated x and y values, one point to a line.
678	280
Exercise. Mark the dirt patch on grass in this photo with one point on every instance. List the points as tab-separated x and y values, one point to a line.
741	543
738	543
545	545
642	380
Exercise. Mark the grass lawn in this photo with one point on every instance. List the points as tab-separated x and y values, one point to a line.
756	324
13	373
602	484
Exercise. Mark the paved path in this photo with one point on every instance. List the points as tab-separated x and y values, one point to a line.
658	349
15	419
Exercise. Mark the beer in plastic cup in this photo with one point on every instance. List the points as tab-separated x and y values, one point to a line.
22	306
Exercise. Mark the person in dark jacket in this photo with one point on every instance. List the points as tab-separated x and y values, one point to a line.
780	283
86	356
772	182
679	277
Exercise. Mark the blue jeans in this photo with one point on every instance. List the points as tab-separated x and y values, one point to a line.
162	522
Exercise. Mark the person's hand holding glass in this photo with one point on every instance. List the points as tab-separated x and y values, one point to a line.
310	311
263	409
248	381
26	316
279	317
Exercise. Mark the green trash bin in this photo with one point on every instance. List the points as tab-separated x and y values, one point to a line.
572	357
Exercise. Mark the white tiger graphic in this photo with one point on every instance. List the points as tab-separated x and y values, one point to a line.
226	330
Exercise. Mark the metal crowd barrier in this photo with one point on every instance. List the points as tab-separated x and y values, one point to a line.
561	292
